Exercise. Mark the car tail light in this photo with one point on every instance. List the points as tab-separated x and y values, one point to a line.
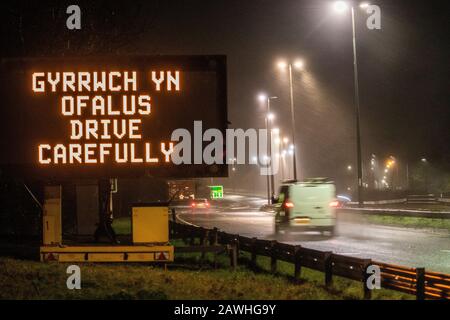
193	204
288	205
207	204
334	204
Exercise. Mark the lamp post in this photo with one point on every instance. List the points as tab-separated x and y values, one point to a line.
273	155
342	6
283	152
426	171
269	117
298	64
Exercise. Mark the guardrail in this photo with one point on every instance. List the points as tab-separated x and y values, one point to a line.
416	281
421	199
392	201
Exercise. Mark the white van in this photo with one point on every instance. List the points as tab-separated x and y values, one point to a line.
307	205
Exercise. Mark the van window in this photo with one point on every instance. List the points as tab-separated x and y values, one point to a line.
284	194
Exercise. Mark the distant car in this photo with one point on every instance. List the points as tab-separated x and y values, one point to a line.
307	205
342	200
181	203
200	204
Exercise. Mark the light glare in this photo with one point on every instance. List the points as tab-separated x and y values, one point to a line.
262	97
364	5
282	65
340	6
298	64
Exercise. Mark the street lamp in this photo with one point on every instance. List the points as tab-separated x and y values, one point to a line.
298	65
341	6
269	117
282	65
426	172
283	152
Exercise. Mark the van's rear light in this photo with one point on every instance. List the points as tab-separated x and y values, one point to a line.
288	204
334	204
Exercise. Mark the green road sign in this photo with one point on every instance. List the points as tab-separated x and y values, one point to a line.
216	192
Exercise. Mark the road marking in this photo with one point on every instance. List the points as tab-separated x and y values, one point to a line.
184	221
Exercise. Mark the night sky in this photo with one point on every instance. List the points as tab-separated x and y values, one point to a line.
403	67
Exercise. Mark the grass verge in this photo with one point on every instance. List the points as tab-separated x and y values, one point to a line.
410	222
185	279
413	206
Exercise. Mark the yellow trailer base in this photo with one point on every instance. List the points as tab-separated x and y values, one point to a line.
137	253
